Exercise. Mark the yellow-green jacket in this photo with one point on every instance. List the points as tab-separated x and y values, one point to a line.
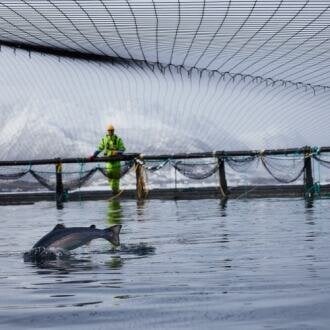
111	145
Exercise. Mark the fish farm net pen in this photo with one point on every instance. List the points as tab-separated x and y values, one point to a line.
294	164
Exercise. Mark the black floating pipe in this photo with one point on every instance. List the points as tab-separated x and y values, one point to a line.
68	160
132	156
223	154
324	149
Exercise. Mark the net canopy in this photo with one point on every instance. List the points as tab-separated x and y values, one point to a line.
172	76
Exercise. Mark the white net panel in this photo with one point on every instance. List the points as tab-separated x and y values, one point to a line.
52	108
272	39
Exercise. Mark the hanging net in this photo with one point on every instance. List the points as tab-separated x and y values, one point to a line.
241	164
284	170
195	170
323	160
46	178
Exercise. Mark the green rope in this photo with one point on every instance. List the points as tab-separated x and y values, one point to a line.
65	195
315	150
318	188
319	182
314	189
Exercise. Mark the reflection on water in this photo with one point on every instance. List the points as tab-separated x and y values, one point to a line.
140	249
253	264
226	264
140	206
115	212
115	262
65	265
310	222
70	262
310	216
309	202
223	205
310	237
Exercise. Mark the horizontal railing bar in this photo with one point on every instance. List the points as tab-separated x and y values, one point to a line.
132	156
226	154
76	160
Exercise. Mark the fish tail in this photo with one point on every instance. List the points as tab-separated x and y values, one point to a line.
112	234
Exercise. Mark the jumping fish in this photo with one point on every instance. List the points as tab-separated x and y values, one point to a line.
71	238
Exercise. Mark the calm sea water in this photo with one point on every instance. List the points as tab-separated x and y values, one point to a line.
252	264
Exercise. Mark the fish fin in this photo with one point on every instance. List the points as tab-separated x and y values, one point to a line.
112	234
92	226
59	226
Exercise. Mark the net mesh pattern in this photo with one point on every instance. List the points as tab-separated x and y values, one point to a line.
282	169
196	171
70	179
279	40
173	76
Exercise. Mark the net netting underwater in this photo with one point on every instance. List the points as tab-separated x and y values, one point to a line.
172	76
170	173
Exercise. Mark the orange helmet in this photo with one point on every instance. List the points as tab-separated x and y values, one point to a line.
110	127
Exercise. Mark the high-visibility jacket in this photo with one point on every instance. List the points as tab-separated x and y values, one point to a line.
111	143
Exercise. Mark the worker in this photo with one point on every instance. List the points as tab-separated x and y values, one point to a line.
111	145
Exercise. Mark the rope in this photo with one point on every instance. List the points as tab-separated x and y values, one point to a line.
141	187
116	196
246	192
156	167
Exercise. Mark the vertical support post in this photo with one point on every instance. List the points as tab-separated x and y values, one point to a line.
175	179
308	173
141	191
223	180
59	186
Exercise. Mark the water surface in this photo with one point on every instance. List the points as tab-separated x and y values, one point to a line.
250	264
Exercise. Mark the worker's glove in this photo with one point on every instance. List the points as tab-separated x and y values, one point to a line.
92	157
